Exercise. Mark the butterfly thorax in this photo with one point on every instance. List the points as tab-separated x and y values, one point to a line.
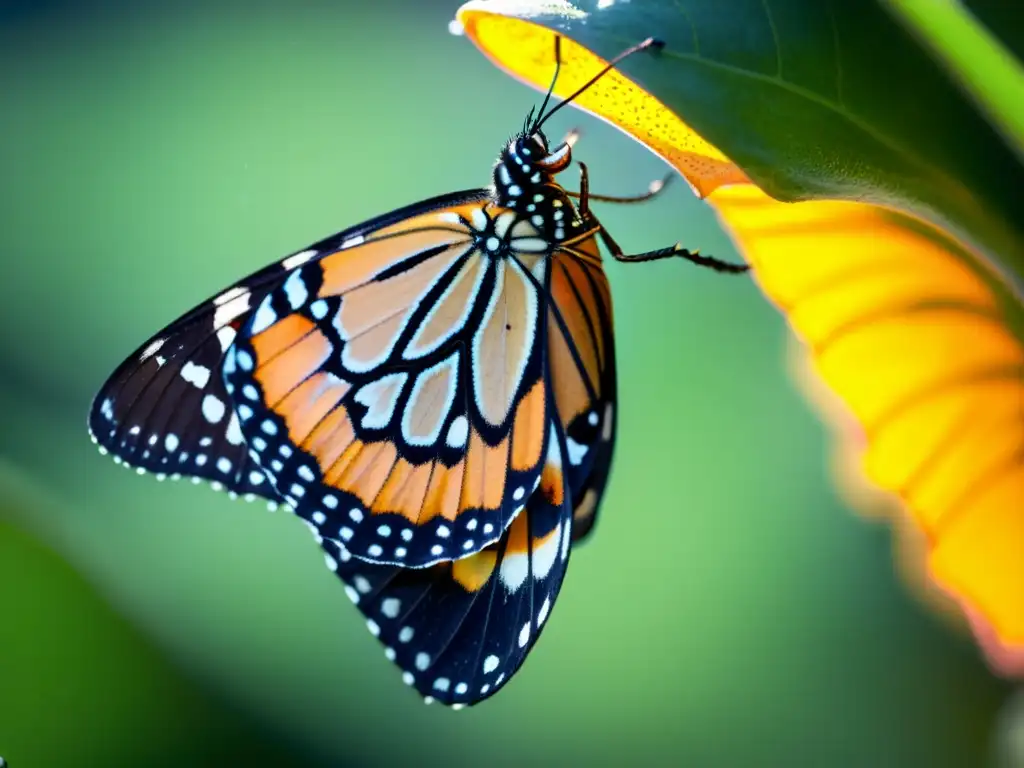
524	181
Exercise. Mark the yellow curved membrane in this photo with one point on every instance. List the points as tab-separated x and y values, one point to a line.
922	347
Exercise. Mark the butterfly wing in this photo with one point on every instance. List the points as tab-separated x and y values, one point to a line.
581	352
166	409
460	630
393	391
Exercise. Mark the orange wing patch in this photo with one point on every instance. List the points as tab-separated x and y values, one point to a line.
344	271
475	571
280	336
289	359
405	490
528	431
571	395
365	475
568	278
310	403
443	494
552	482
486	467
330	439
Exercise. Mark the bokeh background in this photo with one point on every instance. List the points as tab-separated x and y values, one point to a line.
729	611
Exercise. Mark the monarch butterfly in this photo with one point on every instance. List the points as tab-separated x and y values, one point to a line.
432	392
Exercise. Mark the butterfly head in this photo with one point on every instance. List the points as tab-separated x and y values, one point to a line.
526	163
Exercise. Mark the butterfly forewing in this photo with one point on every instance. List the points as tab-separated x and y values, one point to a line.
394	392
165	409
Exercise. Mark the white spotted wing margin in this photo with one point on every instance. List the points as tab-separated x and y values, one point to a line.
459	631
166	410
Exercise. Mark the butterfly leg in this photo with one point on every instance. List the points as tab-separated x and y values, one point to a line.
654	189
584	196
666	253
584	193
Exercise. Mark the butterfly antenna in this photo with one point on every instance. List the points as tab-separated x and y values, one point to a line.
551	88
650	42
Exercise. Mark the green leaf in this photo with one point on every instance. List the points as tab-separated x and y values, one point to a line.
974	57
818	99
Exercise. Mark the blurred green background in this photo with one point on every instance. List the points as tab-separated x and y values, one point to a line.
730	611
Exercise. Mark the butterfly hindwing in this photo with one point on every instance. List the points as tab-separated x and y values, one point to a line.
394	391
460	630
583	375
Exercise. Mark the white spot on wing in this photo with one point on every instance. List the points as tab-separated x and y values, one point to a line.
543	613
524	635
502	223
318	309
530	244
197	375
390	607
458	432
295	289
479	219
234	431
576	451
225	336
151	349
514	570
544	555
298	259
380	398
213	409
229	294
265	317
233	306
